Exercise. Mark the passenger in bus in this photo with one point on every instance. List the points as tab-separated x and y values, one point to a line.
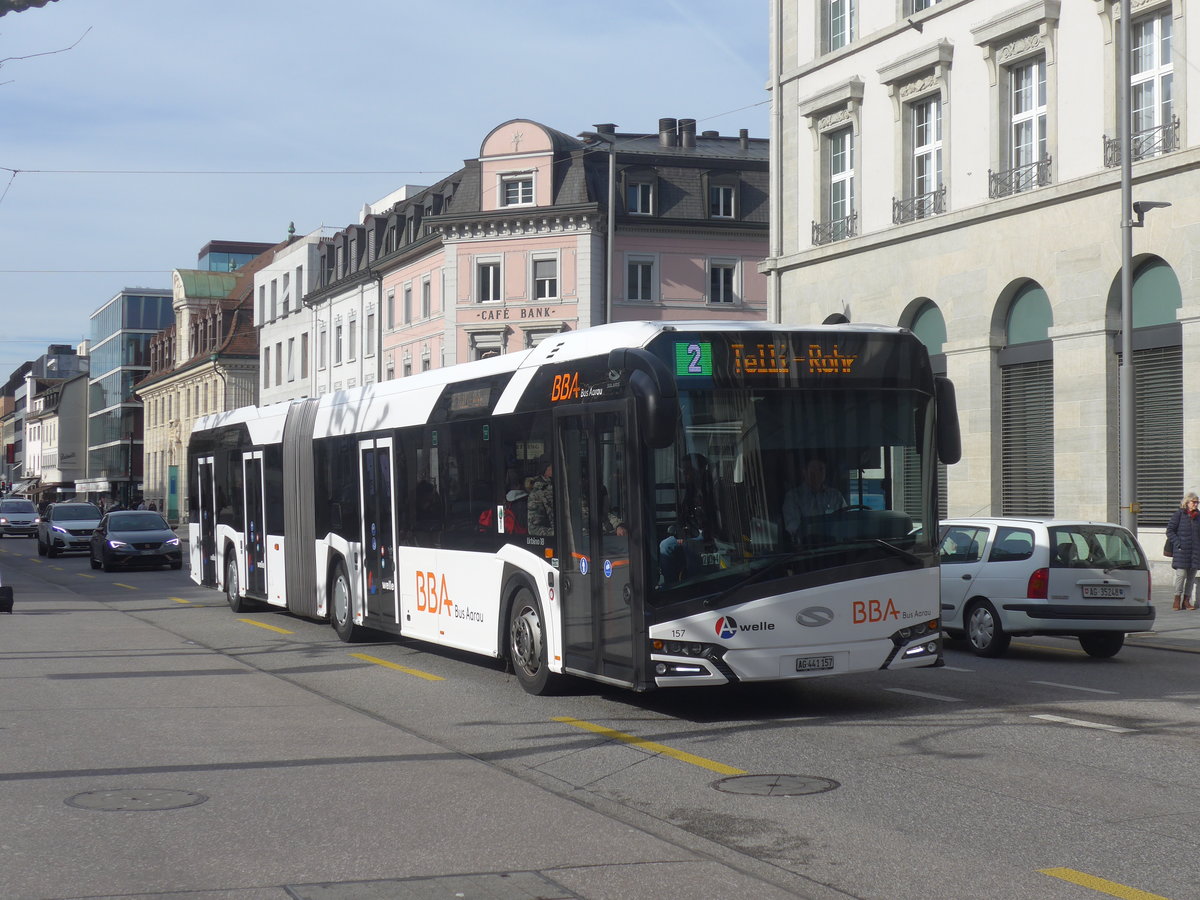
540	505
807	502
430	514
672	557
696	500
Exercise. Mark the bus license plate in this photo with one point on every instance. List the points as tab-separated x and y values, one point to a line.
814	663
1103	591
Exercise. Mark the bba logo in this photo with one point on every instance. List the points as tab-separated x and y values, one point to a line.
726	627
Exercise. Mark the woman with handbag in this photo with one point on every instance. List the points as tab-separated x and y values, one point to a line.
1183	534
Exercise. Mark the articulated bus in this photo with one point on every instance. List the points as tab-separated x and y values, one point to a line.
630	503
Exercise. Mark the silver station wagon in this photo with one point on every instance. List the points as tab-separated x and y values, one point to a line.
1013	576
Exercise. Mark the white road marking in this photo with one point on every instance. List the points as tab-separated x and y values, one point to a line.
941	697
1074	687
1084	724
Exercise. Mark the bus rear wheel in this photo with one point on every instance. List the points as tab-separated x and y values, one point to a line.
527	644
341	614
233	590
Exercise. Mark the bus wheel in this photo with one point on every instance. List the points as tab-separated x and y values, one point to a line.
340	613
233	591
527	643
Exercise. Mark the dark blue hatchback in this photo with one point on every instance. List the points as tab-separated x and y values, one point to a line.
134	537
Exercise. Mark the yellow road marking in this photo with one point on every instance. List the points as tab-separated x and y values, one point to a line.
266	626
85	574
399	668
652	746
180	600
1103	885
130	586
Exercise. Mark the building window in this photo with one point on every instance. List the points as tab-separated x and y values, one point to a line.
1150	84
274	300
545	279
485	344
722	278
407	368
266	382
488	281
287	297
639	279
291	359
391	309
262	303
279	364
323	348
1027	143
639	198
370	334
916	6
516	190
720	201
426	299
924	193
408	309
304	355
838	27
838	189
337	345
352	342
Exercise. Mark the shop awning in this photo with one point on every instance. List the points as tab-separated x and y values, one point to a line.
22	487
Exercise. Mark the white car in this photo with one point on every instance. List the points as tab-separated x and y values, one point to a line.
1015	576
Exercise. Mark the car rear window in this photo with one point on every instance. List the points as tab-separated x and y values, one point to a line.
1094	547
75	513
1011	544
16	506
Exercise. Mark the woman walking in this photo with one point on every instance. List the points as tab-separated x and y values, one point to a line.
1183	531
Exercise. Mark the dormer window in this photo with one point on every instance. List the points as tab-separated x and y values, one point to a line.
517	189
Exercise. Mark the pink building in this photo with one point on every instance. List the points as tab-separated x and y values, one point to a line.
545	232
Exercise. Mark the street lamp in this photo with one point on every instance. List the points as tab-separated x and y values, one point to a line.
610	141
1127	437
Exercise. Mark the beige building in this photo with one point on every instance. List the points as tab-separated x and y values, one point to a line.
954	167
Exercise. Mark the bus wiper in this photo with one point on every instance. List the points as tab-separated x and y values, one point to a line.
894	550
773	566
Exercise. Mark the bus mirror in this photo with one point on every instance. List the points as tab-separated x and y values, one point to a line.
949	440
655	397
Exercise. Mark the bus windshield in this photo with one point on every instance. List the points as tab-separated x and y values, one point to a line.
769	483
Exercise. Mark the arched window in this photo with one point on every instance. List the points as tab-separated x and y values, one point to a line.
1027	406
1157	392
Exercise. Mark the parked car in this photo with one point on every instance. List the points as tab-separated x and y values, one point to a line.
18	517
1014	576
134	537
66	526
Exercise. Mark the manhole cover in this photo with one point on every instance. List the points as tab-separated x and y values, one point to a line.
775	785
135	799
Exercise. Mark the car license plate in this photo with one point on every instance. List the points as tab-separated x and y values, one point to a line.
1103	592
814	663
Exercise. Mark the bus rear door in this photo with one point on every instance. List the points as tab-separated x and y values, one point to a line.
596	522
203	556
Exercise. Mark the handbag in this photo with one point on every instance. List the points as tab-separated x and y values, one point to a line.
1168	549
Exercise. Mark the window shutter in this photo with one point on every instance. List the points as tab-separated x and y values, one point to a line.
1027	439
1158	404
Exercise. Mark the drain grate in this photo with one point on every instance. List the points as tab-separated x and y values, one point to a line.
135	799
775	785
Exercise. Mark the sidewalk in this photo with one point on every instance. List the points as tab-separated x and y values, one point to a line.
1173	629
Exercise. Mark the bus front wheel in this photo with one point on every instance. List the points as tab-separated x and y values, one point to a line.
527	644
341	613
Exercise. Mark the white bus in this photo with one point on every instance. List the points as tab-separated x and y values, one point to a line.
631	503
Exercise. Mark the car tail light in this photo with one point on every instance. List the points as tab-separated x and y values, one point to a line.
1039	585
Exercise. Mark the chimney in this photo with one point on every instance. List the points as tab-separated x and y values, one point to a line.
687	133
666	132
744	138
710	134
605	128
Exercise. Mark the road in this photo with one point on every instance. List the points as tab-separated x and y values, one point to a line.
298	766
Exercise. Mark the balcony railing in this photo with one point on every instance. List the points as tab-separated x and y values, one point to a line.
1022	178
922	206
834	229
1144	144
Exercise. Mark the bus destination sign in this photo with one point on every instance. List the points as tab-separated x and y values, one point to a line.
696	358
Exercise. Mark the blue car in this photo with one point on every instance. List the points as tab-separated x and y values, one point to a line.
134	537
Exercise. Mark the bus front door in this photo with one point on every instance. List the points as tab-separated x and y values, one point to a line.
204	556
595	525
378	531
255	578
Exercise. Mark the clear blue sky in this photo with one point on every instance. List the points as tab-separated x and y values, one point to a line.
170	123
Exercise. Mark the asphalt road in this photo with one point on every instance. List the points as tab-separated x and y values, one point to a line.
153	743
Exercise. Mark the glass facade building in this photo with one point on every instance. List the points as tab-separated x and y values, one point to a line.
120	339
